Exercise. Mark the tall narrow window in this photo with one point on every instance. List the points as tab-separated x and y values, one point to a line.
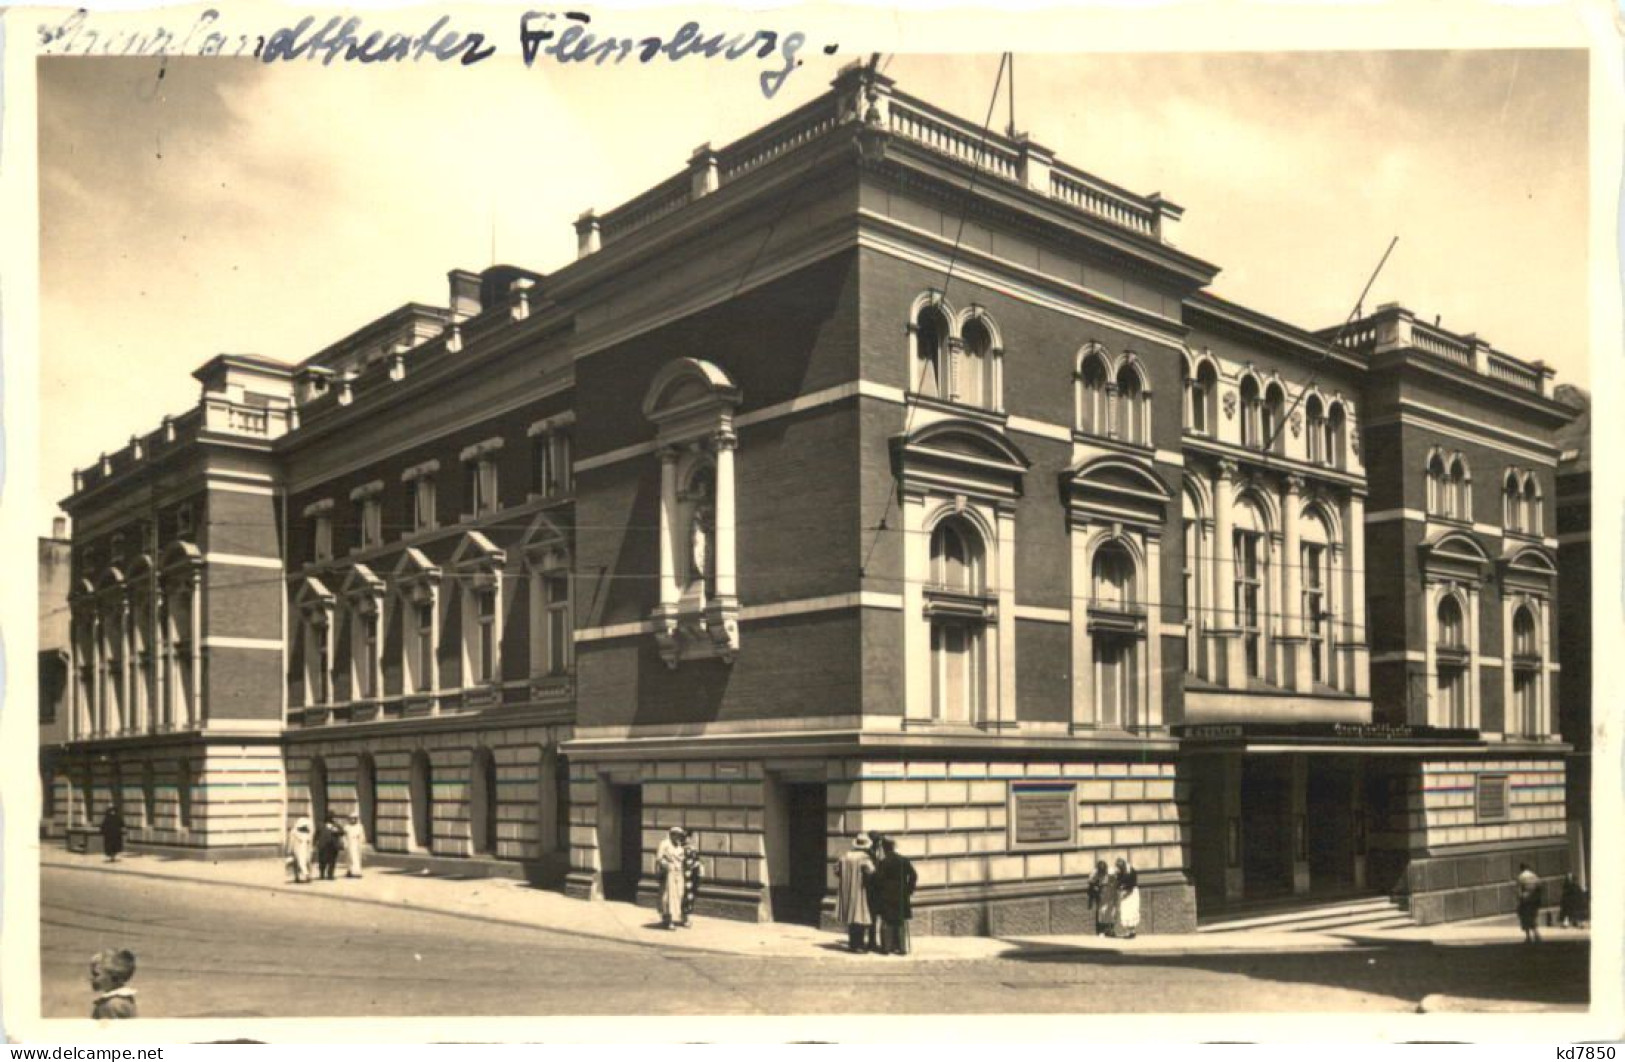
1114	637
1314	608
1202	392
1251	416
367	655
1460	496
959	612
1248	547
1315	415
1533	518
420	502
1194	591
1131	417
930	352
1270	419
1451	658
1091	395
1438	487
423	640
322	536
1333	448
372	521
976	366
484	656
1526	673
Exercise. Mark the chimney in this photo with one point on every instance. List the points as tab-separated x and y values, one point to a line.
59	527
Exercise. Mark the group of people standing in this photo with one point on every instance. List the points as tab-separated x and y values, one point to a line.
326	844
677	866
1114	894
875	883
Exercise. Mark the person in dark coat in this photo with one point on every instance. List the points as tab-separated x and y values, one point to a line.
895	879
113	833
329	843
1575	909
877	850
1531	895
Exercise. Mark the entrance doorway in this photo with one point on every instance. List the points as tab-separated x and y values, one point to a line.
1266	832
420	790
620	840
1330	824
800	877
482	800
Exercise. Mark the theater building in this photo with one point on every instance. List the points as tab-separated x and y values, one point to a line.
870	475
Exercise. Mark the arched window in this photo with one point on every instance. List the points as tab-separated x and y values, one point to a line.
1199	414
1115	645
1438	487
1091	394
977	378
930	351
1335	443
1461	492
1315	414
1250	414
1252	590
1451	659
959	614
1526	673
1113	579
1315	581
1269	431
1131	399
1533	521
1512	517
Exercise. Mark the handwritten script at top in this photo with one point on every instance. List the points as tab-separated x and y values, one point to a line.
346	39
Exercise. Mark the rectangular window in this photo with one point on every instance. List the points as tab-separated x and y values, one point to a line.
541	460
420	502
367	657
423	673
1493	797
485	607
556	603
563	474
372	522
318	670
322	537
1452	684
474	484
1249	596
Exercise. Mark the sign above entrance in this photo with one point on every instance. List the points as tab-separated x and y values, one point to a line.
1362	733
1042	815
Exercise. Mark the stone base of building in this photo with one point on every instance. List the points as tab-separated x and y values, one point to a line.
1449	888
1167	905
731	902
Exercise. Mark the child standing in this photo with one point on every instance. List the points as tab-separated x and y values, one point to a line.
110	973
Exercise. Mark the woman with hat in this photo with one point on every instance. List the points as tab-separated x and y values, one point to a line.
852	873
669	872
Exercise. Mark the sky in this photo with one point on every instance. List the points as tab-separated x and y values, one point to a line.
229	206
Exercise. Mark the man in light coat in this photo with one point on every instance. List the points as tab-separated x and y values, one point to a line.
852	872
355	839
300	841
669	872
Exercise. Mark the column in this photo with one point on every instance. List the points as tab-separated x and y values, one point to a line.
1359	659
916	631
1430	660
160	660
668	509
194	704
1474	686
1083	708
727	583
1294	657
1510	723
1228	646
1209	614
1543	694
1151	713
1005	657
1113	419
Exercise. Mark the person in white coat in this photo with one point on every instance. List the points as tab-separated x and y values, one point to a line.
669	872
355	838
300	840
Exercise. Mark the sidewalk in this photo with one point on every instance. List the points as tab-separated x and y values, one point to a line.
516	903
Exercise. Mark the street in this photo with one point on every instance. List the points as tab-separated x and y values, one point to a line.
214	951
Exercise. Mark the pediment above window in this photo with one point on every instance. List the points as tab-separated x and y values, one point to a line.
689	397
1531	567
313	596
1116	490
960	456
474	550
1452	550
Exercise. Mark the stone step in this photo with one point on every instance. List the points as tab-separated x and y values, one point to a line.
1307	919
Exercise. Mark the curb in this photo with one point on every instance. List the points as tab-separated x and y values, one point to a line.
392	905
